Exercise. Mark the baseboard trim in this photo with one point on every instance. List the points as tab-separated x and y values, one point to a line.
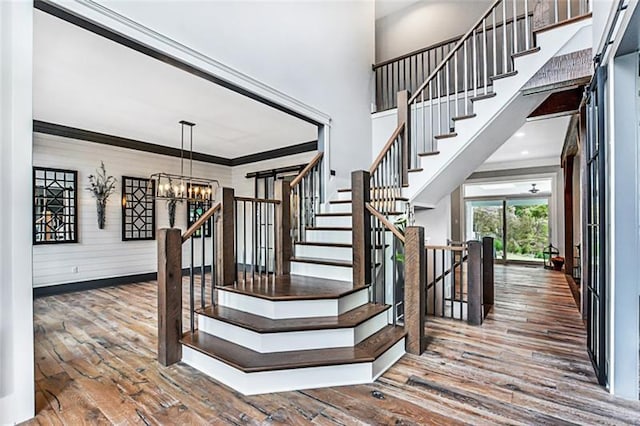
52	290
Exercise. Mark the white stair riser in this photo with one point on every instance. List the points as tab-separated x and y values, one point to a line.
343	195
343	221
338	208
293	379
324	252
323	236
293	340
281	309
279	380
331	272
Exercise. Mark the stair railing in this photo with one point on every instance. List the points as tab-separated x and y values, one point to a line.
306	194
248	240
388	261
459	281
467	72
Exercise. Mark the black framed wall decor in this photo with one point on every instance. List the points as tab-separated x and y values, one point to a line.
55	206
138	209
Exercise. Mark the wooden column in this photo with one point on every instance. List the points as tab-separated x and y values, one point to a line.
474	280
169	295
568	215
488	294
404	116
226	263
283	227
361	225
415	274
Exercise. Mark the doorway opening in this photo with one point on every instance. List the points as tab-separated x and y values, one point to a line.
515	214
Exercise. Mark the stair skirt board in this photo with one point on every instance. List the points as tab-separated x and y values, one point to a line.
342	221
323	236
293	340
324	252
282	309
292	379
331	272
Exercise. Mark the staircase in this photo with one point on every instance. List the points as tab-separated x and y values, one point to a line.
263	330
303	296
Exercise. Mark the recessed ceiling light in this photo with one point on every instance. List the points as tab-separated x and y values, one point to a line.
519	135
525	153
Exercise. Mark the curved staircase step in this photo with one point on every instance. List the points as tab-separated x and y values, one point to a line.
261	324
249	361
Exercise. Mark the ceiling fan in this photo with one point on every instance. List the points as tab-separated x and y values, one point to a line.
533	189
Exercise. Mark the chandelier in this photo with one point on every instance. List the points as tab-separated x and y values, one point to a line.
182	187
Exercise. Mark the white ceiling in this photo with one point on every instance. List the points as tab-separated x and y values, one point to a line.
503	188
535	140
86	81
387	7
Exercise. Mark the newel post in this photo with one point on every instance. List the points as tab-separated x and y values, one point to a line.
283	227
361	225
169	295
474	282
404	116
225	262
487	274
415	273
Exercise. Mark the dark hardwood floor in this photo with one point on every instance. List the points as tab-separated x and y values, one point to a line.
96	364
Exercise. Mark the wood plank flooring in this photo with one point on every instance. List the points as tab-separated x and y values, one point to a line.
96	364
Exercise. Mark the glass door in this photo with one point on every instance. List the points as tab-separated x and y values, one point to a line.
485	218
527	229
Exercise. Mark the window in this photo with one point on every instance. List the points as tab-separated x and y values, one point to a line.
138	209
195	209
55	206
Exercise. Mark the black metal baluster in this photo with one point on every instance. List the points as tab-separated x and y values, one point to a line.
203	279
212	224
192	302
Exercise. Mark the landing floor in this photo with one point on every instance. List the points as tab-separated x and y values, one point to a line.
95	363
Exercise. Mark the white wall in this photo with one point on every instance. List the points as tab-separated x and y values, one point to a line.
16	308
102	253
319	53
425	23
436	222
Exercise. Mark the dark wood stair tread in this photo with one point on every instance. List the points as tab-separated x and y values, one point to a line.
250	361
260	324
344	190
322	244
446	136
329	228
505	75
333	214
526	52
294	287
318	261
481	97
416	170
340	202
427	154
464	117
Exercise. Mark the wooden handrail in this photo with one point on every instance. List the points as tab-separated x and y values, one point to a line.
306	170
452	52
440	44
201	221
390	226
386	148
450	248
258	200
